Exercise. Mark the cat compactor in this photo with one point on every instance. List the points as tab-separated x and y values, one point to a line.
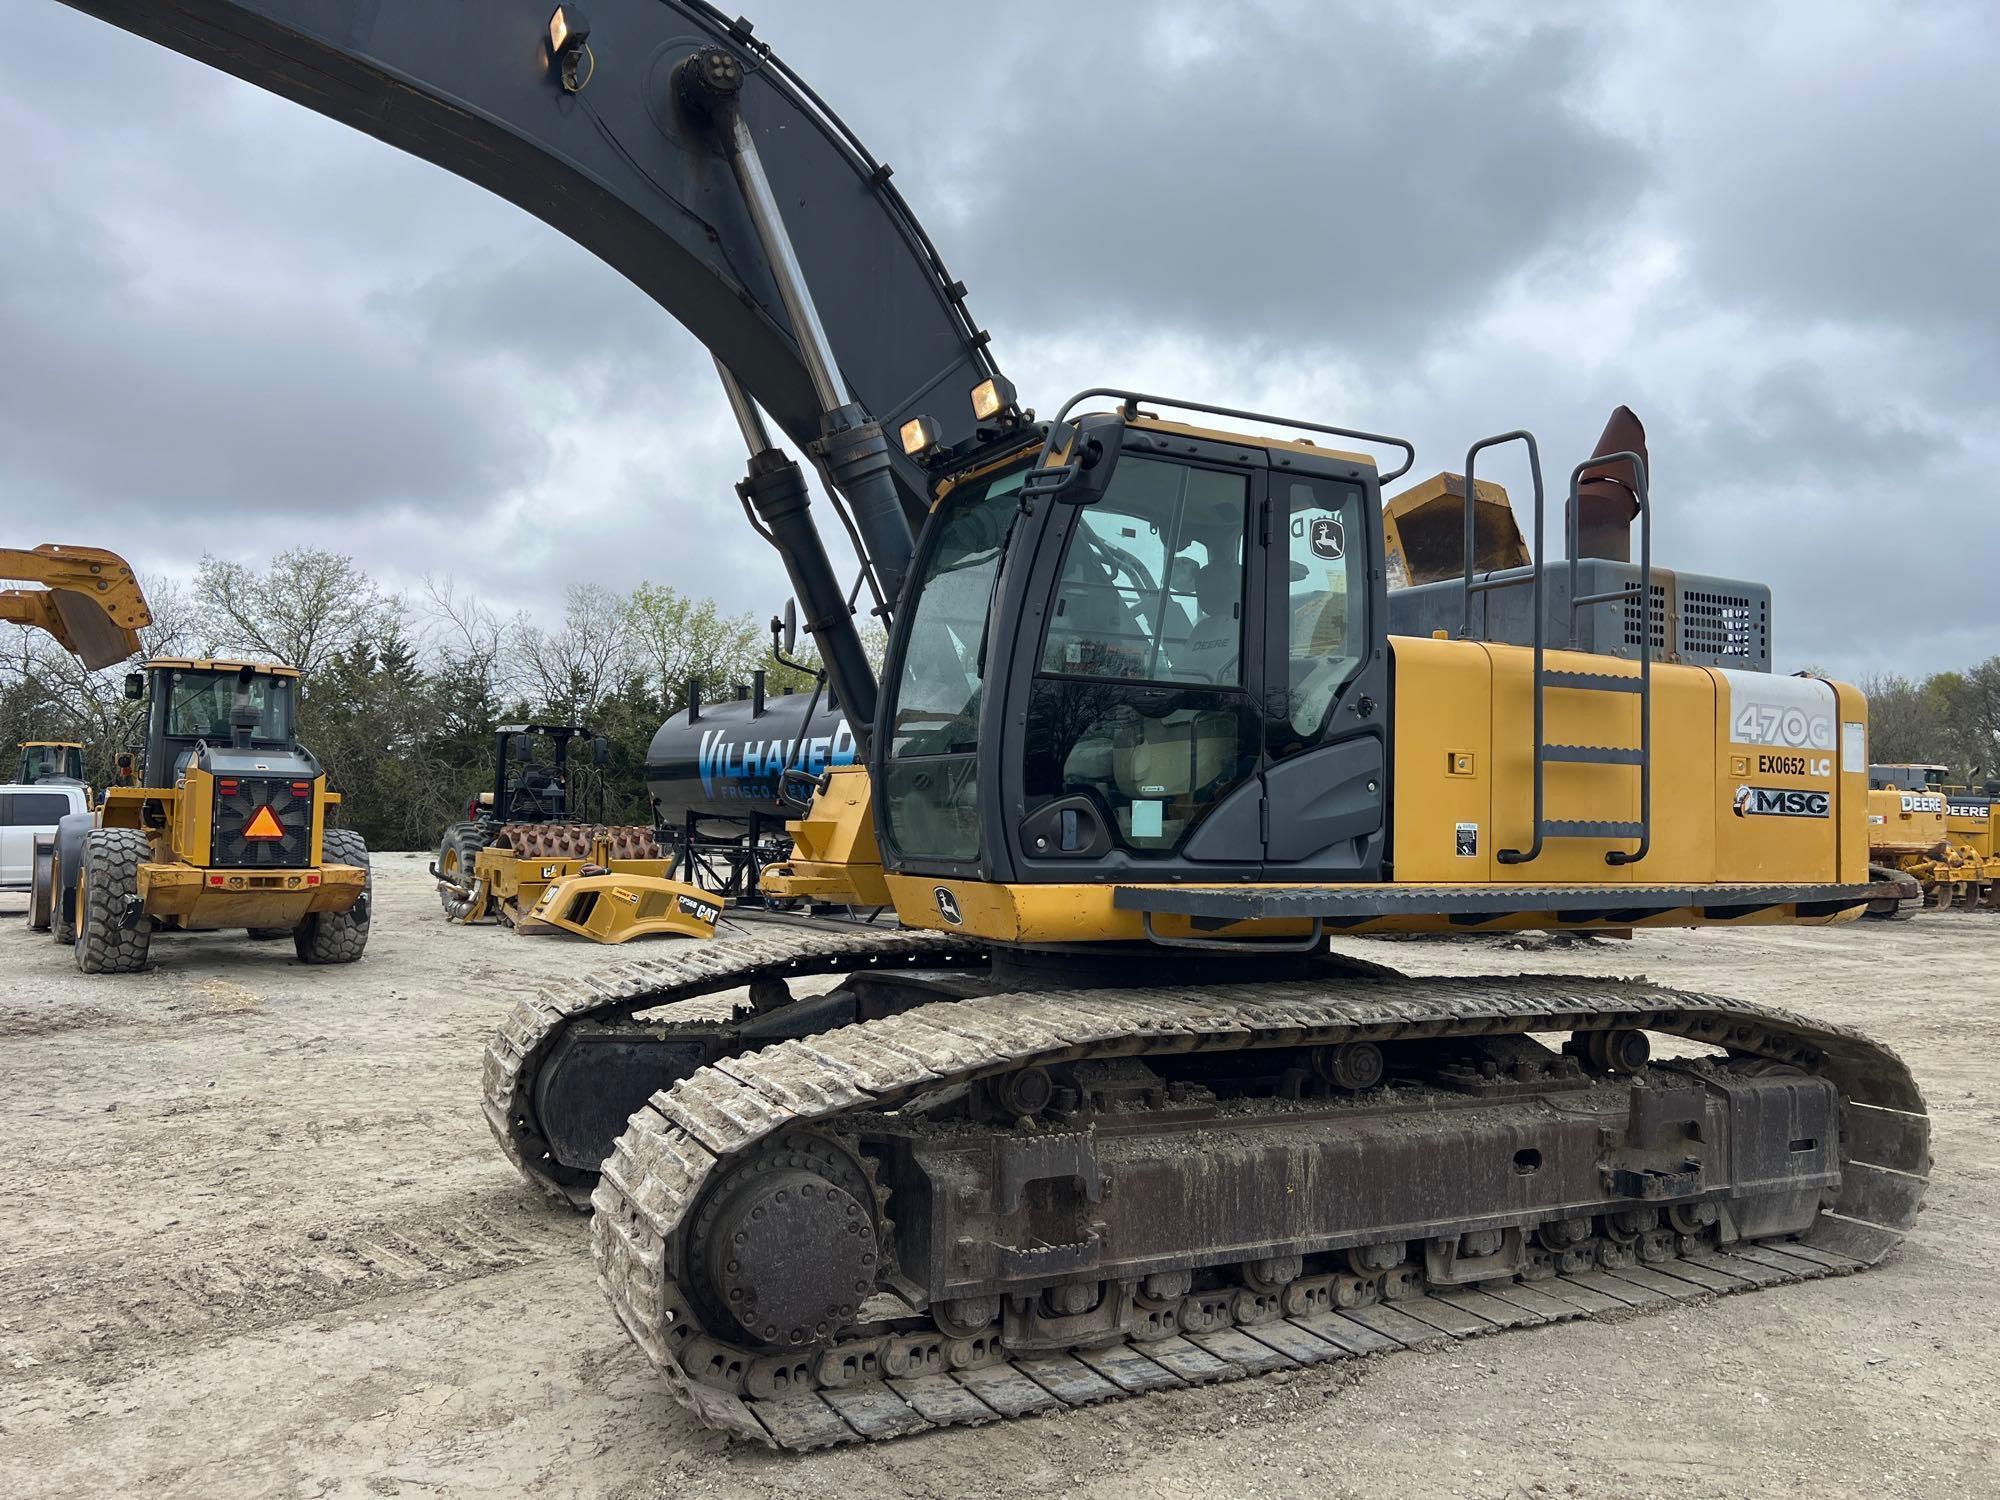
527	858
226	828
1105	1114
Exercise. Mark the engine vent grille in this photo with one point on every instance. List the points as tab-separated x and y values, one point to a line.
1724	625
238	801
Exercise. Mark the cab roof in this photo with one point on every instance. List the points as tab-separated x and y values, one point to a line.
220	664
1146	422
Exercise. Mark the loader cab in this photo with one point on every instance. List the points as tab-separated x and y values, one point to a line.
243	708
49	760
1173	669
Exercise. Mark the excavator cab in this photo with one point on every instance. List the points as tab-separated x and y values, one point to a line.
1194	634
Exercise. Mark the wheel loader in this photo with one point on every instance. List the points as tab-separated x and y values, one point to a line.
225	828
49	760
1105	1113
227	825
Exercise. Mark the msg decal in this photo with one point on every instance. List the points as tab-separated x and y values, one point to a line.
1780	802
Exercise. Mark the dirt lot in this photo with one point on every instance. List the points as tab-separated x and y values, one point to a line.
257	1241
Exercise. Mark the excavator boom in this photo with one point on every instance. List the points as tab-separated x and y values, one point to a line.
87	598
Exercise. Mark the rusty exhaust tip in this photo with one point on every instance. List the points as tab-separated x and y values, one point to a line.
1607	499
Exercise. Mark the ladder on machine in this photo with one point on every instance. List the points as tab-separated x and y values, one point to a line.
1640	756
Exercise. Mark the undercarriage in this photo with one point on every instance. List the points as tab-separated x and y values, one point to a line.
947	1191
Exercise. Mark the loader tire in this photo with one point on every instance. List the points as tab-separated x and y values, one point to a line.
105	944
338	937
458	852
62	915
42	884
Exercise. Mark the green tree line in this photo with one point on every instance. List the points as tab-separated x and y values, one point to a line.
1950	719
402	695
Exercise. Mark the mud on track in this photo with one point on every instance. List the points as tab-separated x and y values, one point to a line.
257	1240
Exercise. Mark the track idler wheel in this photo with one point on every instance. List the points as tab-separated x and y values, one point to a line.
785	1249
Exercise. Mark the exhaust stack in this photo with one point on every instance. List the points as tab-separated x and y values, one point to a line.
1606	501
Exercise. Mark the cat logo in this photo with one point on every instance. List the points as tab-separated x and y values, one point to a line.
701	911
1779	802
947	905
549	872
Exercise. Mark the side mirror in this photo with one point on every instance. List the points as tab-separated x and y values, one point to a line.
135	686
600	751
521	750
791	627
1085	475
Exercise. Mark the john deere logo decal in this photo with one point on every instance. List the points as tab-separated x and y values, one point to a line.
1328	539
947	905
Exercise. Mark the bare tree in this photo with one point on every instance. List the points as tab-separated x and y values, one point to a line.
568	671
304	607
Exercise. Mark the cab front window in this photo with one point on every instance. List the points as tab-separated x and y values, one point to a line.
930	792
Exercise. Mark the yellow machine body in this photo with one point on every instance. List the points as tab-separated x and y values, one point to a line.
1913	830
834	856
180	889
586	880
1735	803
617	907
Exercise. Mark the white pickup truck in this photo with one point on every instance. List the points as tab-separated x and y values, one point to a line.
26	811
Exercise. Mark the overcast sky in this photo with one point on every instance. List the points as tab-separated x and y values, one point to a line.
228	324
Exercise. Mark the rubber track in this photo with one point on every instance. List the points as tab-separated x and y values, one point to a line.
672	1147
690	977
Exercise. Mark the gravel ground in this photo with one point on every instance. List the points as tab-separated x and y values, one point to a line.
257	1241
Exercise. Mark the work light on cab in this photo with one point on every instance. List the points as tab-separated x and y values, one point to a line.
920	435
992	396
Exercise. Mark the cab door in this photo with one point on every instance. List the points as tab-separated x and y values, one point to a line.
1142	693
1325	742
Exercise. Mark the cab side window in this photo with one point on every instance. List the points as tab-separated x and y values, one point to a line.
1328	598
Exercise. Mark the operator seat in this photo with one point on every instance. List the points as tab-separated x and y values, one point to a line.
1214	647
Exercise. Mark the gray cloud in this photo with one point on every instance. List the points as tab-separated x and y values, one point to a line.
231	325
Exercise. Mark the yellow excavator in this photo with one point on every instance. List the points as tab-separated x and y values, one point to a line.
1103	1113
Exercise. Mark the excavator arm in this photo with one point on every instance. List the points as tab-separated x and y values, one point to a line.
87	598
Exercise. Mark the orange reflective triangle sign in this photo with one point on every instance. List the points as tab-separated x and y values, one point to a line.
263	826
